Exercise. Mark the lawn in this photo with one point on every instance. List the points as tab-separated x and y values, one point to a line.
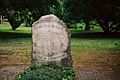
15	46
6	27
95	52
86	52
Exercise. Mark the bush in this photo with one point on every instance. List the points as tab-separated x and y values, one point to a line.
14	18
48	72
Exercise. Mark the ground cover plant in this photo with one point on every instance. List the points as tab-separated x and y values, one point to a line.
47	72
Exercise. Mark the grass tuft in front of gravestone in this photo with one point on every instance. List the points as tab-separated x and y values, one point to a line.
47	72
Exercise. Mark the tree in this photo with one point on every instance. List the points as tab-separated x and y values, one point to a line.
60	10
1	10
37	8
14	18
27	18
80	10
104	11
107	13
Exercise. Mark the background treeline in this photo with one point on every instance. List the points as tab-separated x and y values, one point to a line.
106	13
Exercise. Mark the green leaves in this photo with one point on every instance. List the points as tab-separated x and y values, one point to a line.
48	72
14	18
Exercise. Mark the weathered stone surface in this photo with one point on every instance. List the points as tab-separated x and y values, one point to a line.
51	42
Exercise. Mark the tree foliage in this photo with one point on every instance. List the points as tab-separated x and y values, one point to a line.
31	10
104	11
14	18
107	11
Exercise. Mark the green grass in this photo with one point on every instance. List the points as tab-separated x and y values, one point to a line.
10	46
89	44
6	27
91	52
15	51
84	50
81	28
95	29
15	45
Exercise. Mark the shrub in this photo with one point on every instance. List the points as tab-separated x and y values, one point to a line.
14	18
48	72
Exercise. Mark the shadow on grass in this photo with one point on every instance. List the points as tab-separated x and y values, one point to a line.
95	35
73	35
14	35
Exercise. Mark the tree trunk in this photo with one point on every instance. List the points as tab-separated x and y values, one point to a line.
0	15
87	26
0	19
104	25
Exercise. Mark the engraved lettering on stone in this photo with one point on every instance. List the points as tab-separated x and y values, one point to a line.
50	41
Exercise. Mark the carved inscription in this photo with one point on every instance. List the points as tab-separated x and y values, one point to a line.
50	41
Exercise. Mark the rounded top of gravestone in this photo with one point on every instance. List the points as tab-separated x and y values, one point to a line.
49	18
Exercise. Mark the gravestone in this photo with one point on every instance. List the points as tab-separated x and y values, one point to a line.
51	42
